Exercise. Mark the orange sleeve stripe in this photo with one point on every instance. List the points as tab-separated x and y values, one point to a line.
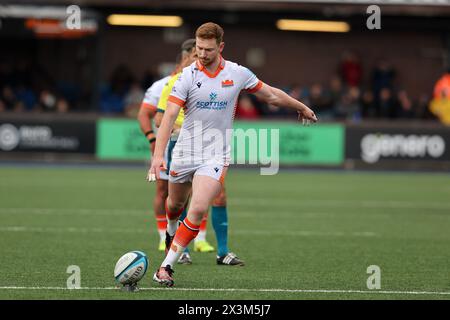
148	106
255	88
177	101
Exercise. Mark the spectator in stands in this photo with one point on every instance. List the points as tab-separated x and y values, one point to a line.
62	106
350	69
386	103
405	107
121	79
111	101
112	98
25	86
8	99
368	108
336	89
50	101
321	102
422	110
382	77
47	101
133	100
246	110
26	97
348	108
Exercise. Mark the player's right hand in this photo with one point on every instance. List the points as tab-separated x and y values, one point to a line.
306	115
158	164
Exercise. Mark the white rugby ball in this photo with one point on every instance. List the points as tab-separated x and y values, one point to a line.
131	267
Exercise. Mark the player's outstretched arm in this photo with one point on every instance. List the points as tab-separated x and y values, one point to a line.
168	120
280	98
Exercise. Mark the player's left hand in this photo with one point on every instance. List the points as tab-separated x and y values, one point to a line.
306	116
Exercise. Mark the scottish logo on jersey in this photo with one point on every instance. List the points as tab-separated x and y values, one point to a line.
213	103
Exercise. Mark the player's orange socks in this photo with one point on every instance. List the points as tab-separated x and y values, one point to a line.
186	233
161	221
161	224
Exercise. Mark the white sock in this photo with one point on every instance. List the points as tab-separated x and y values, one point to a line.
172	256
162	234
201	236
172	226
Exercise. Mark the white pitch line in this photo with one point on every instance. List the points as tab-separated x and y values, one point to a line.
276	202
78	211
238	290
254	202
297	233
70	230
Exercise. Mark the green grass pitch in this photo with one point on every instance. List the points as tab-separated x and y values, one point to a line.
302	234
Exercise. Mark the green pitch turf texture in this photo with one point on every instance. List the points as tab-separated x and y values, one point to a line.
303	235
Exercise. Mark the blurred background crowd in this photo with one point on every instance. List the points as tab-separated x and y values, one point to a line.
393	73
27	87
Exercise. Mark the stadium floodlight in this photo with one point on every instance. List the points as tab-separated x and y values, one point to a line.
144	20
313	25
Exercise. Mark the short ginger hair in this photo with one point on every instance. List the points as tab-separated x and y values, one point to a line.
210	30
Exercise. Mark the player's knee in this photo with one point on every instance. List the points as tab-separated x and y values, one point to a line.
220	200
175	205
198	210
195	216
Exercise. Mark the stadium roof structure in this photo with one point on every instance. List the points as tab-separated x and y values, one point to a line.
392	6
228	2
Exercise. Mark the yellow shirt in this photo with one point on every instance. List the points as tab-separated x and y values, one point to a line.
162	103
